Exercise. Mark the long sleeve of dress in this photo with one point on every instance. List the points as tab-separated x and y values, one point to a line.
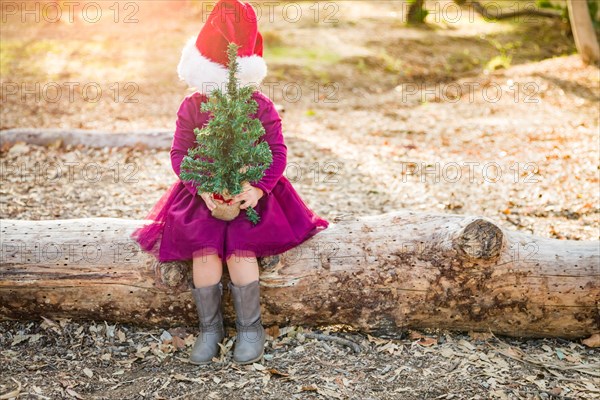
184	137
271	121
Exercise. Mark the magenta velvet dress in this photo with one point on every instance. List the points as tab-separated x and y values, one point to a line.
182	226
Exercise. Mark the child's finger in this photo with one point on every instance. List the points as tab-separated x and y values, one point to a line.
211	205
249	203
246	201
208	200
240	197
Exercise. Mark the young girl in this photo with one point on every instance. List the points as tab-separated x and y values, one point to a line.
182	227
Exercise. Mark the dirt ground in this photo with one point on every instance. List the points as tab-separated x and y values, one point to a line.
470	117
96	360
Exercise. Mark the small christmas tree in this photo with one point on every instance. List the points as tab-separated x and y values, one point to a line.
229	152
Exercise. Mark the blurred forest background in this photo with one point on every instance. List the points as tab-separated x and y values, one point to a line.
371	102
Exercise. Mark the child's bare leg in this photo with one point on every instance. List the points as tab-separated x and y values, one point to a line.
243	269
207	270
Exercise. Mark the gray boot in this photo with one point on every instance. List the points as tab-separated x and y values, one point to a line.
249	346
208	305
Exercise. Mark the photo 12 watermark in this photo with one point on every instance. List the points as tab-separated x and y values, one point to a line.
90	12
469	171
326	12
73	253
68	172
471	92
72	92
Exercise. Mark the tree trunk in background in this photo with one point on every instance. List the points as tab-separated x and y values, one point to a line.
379	274
415	12
583	31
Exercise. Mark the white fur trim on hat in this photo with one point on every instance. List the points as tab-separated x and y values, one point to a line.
206	75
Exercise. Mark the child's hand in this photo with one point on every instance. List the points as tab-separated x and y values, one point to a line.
250	196
210	202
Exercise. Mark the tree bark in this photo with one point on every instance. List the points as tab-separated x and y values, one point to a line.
415	12
380	274
583	31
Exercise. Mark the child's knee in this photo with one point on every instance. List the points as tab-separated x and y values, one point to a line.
241	257
208	255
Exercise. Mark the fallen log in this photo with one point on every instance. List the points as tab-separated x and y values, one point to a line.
380	274
147	139
75	137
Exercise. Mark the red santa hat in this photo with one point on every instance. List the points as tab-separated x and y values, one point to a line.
203	62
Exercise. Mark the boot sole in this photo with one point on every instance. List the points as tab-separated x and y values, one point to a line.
200	363
250	361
